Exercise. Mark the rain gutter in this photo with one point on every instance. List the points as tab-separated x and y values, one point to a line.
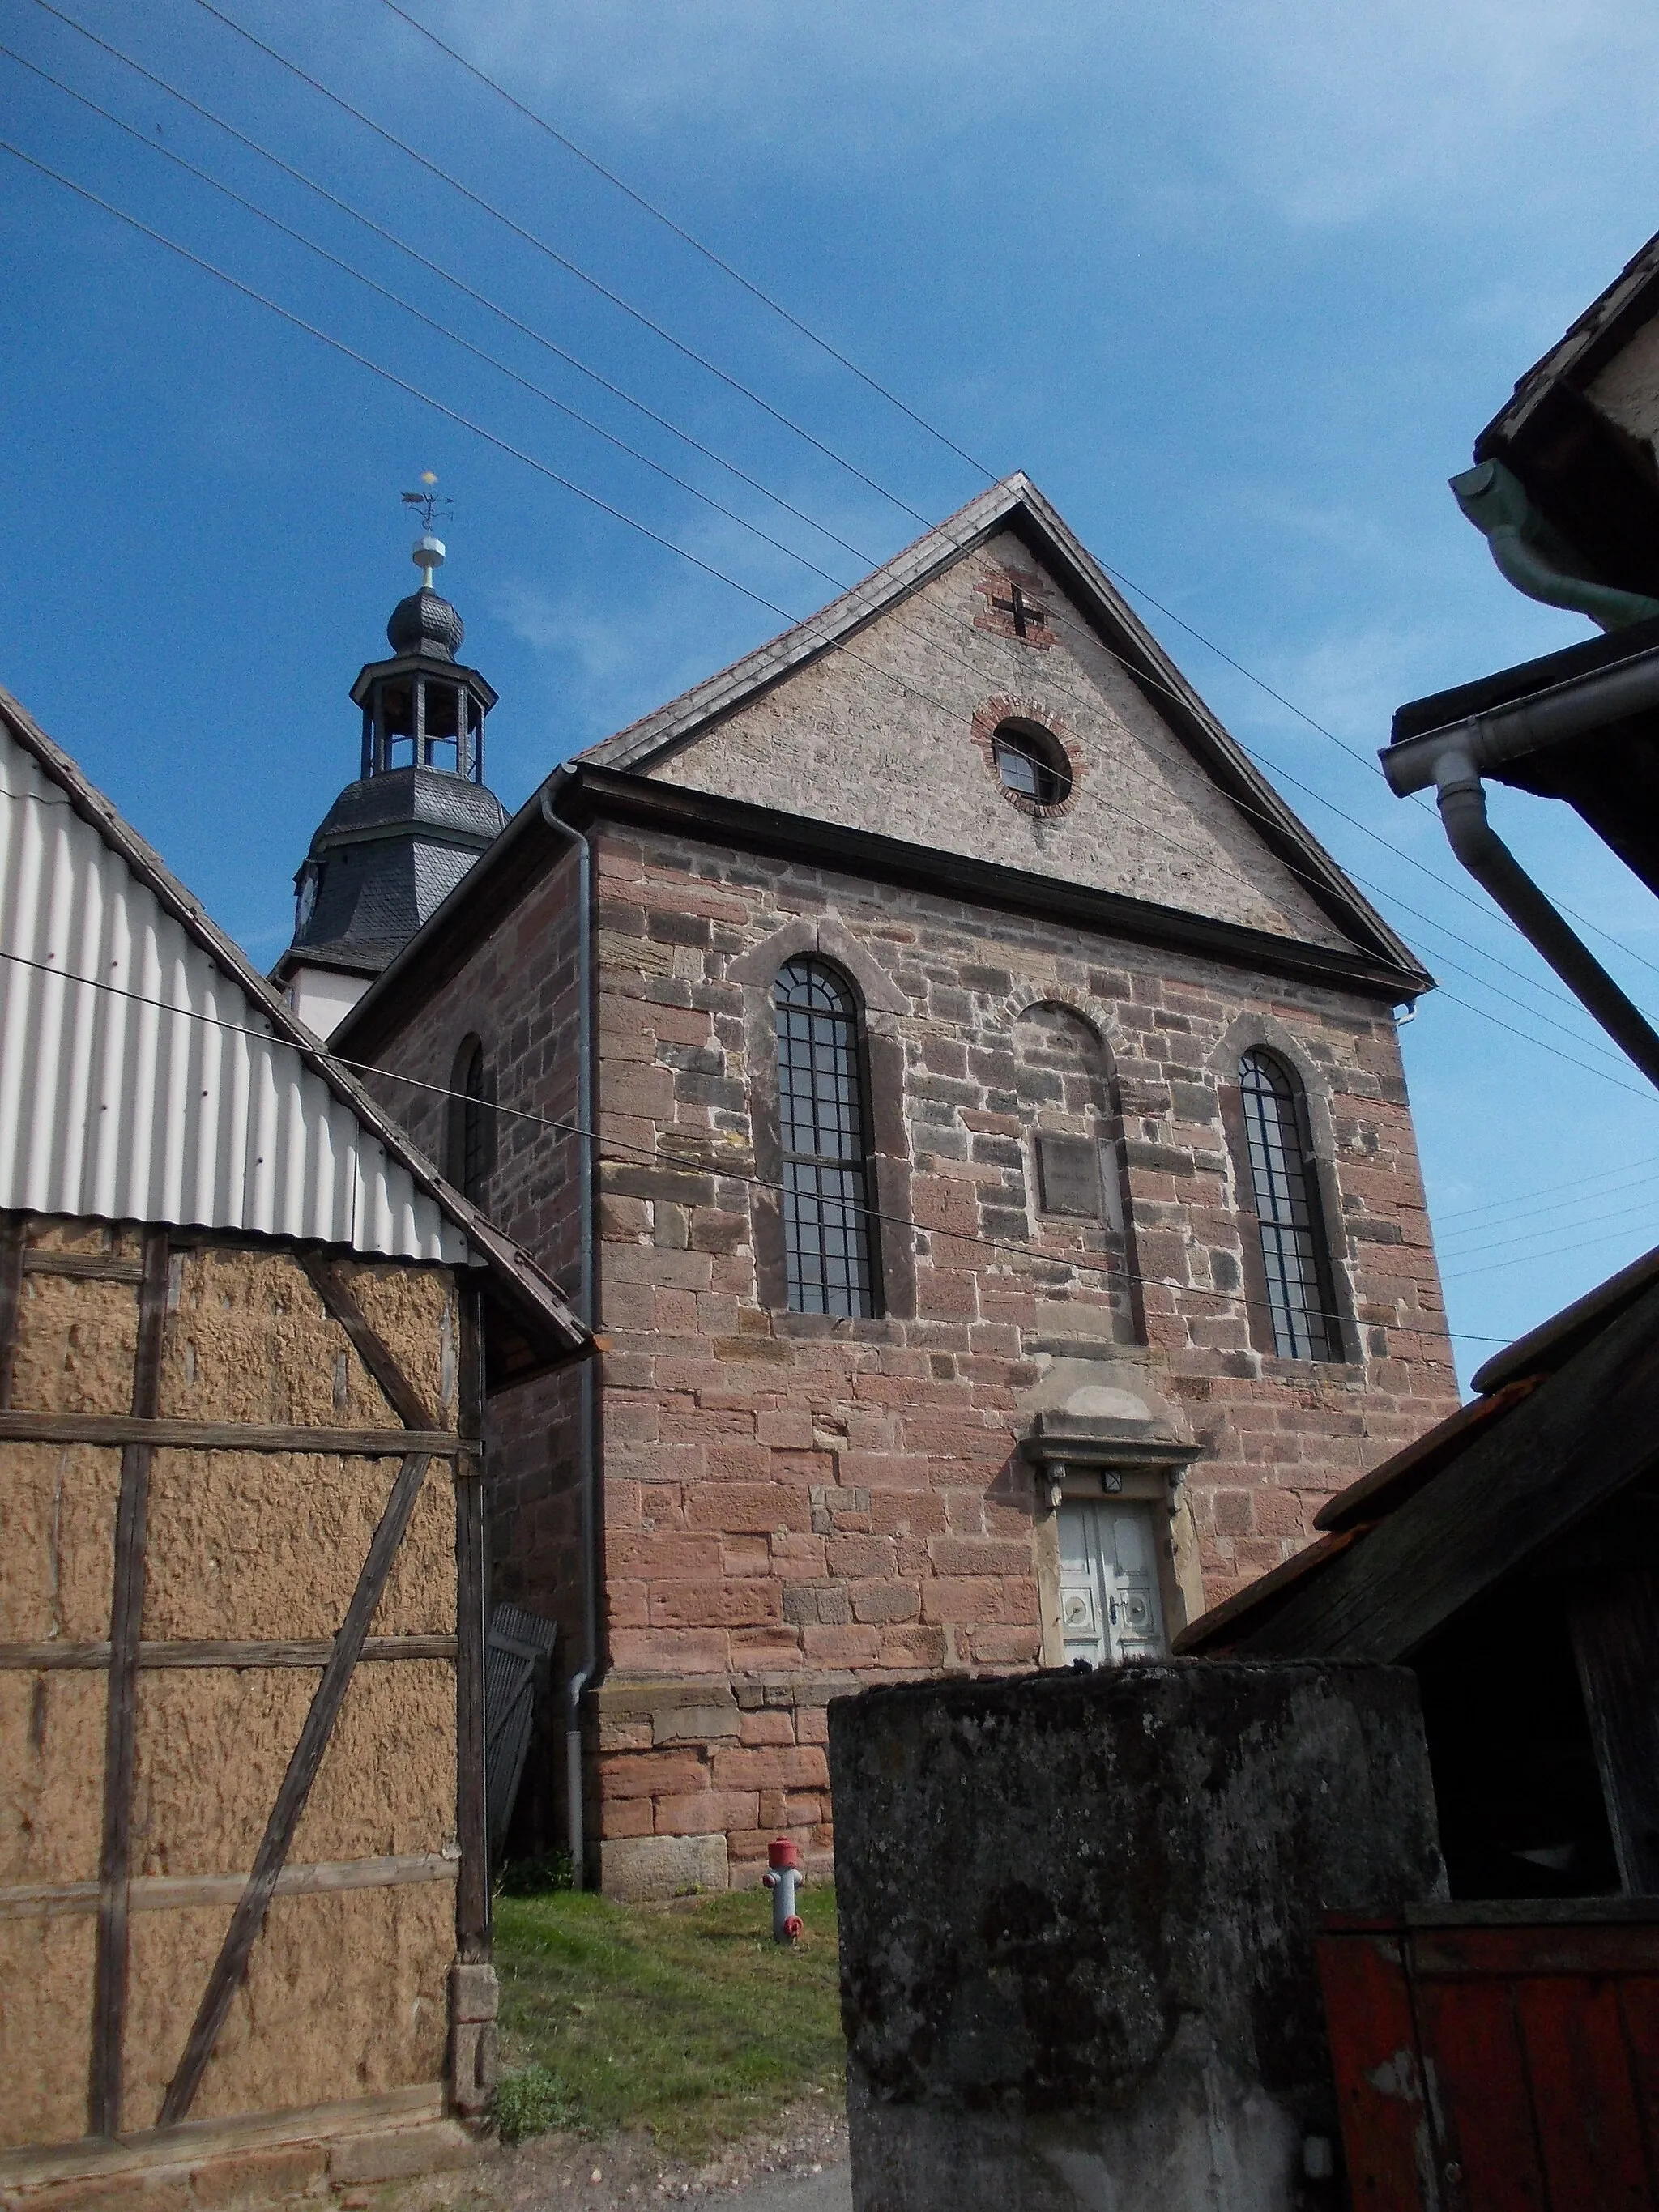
1453	760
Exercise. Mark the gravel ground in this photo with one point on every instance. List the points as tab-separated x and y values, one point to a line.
799	2165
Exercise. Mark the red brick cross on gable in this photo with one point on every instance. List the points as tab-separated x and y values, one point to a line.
1013	609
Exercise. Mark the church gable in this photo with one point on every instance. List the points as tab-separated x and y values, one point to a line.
965	699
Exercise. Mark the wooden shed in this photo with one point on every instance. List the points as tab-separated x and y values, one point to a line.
245	1331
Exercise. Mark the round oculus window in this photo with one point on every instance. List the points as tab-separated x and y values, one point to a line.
1032	764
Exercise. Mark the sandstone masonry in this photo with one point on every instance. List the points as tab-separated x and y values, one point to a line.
795	1505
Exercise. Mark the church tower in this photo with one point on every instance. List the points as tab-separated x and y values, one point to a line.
397	842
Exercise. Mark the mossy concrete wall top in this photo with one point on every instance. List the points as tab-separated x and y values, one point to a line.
1078	1915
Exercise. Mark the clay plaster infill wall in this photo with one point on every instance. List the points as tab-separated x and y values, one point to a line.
881	737
252	1556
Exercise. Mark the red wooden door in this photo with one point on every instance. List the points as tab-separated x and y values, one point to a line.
1489	2063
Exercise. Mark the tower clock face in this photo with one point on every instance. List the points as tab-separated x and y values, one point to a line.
307	899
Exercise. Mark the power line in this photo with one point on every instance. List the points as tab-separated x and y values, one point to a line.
561	260
1489	1267
756	291
408	306
607	508
482	299
696	245
1577	1182
1140	676
670	1157
1532	1235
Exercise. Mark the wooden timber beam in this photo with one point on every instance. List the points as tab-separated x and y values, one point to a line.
49	1658
110	1429
170	1893
121	1705
329	1281
85	1266
472	1937
14	1239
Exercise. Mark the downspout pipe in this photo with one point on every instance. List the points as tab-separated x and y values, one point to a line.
1533	556
1462	805
587	1411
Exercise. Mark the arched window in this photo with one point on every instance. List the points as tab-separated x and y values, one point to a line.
1295	1256
471	1124
828	1243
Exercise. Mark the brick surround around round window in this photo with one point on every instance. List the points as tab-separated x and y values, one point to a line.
990	718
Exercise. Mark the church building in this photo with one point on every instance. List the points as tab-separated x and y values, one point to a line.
968	1102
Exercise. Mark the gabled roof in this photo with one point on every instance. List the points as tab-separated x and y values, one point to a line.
1568	1419
149	1073
1017	505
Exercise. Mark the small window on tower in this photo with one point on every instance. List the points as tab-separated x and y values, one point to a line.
1032	765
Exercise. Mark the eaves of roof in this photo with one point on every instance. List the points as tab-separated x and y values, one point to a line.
1347	1521
512	1282
1582	349
584	794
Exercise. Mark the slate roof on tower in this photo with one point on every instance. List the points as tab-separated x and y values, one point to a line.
862	738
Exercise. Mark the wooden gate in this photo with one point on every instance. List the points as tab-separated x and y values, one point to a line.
1498	2058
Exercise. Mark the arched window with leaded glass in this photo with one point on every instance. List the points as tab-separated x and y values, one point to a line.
829	1236
1301	1305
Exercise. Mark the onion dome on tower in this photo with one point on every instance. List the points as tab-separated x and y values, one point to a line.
397	842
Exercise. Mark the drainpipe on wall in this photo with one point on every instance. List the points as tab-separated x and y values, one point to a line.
1452	759
1533	556
586	1440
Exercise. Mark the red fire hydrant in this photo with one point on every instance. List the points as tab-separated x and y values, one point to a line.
783	1878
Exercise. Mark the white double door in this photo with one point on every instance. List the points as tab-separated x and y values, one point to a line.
1110	1609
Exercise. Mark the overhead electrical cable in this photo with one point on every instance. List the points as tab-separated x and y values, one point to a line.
1489	1267
607	1149
1531	1236
718	261
563	261
1140	676
620	184
408	306
1545	1190
482	299
602	505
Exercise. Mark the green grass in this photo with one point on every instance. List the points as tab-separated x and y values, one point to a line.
689	2020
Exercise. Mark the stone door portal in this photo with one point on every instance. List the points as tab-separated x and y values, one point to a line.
1110	1609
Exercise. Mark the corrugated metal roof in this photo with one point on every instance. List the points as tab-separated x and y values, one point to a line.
141	1080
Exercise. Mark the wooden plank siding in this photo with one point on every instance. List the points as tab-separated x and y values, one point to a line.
1493	2059
121	1708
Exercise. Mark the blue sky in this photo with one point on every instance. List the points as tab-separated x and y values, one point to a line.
1237	283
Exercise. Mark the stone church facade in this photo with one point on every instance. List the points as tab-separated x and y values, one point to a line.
1006	1221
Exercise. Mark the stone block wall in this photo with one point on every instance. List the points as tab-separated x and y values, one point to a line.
792	1501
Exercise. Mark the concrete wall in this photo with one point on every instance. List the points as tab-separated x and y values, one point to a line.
346	1994
1077	1926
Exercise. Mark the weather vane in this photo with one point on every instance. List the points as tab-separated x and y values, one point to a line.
430	508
